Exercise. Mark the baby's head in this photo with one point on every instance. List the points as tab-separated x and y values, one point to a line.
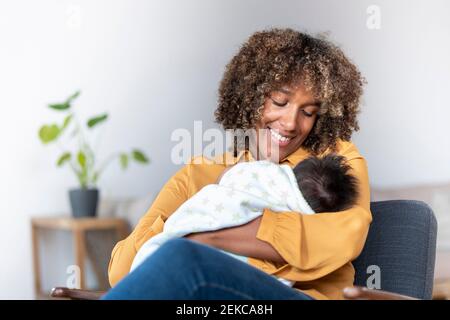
326	183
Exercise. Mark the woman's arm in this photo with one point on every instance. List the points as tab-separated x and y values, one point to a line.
316	244
240	240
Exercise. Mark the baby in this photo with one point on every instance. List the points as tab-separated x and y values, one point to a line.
315	185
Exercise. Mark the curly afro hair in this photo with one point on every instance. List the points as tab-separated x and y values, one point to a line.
275	57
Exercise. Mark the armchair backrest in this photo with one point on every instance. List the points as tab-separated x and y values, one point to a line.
400	249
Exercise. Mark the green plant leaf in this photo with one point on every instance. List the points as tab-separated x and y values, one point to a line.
82	159
66	121
49	133
139	156
96	120
66	156
73	97
123	160
60	106
65	105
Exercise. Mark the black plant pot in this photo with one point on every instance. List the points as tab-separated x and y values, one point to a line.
84	202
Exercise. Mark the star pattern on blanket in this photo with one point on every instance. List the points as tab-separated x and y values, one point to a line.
265	194
266	163
284	194
245	204
248	186
219	207
231	193
232	185
236	217
203	214
272	183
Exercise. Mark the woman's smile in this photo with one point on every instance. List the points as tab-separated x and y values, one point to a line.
279	139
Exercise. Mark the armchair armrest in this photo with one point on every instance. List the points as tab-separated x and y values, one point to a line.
76	294
362	293
350	293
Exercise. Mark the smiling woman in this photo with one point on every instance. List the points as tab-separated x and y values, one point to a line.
285	68
303	94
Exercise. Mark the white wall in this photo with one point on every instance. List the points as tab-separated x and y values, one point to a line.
155	66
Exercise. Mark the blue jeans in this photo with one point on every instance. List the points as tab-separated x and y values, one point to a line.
182	269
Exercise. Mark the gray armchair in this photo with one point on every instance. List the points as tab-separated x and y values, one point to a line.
401	244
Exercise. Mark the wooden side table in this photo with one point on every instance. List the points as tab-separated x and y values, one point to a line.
78	227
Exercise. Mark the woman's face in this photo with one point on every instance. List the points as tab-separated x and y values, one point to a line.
288	116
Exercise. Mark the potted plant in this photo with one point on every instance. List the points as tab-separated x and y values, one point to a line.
81	158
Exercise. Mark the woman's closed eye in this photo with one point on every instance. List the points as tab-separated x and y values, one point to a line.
308	114
278	103
281	103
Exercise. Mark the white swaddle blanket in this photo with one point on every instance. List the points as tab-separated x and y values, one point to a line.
241	196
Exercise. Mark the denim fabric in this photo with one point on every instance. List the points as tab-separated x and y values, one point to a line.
402	243
183	270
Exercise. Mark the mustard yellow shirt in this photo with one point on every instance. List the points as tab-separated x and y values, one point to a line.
318	248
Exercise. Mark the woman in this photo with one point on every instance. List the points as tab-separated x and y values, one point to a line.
305	93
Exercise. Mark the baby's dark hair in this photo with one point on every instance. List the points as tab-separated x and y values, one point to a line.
326	184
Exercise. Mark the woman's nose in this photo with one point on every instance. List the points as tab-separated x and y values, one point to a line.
289	120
